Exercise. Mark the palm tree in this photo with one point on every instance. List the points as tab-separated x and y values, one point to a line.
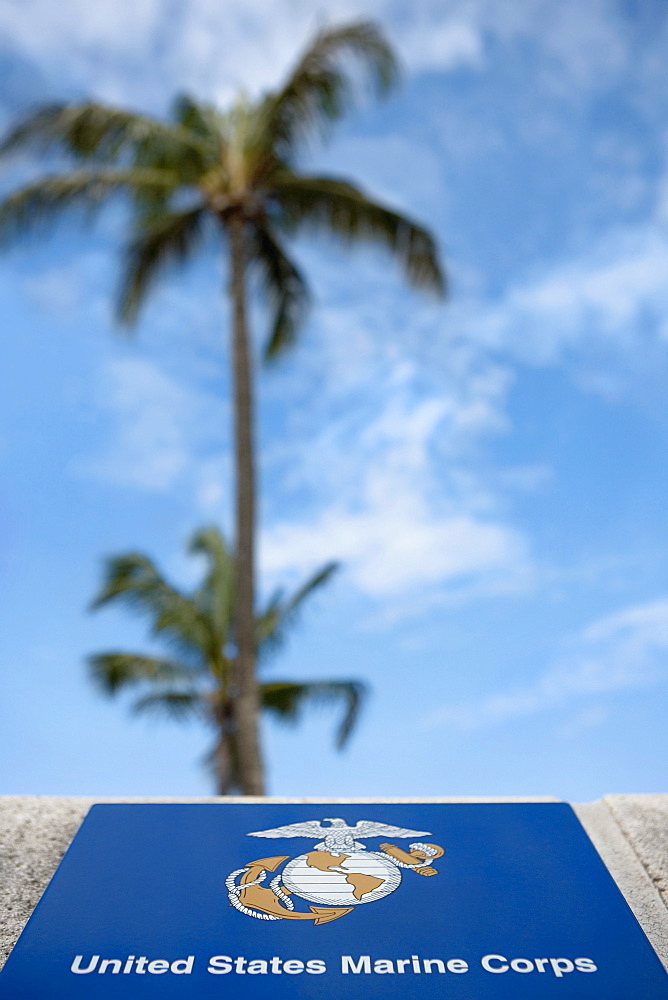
234	173
196	680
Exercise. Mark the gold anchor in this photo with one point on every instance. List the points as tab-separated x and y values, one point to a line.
263	898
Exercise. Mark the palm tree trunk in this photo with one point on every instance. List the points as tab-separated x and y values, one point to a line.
224	759
246	701
220	763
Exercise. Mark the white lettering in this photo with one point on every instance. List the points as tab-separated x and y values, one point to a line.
257	967
458	965
106	962
183	966
561	965
158	966
363	965
220	964
486	963
76	965
585	965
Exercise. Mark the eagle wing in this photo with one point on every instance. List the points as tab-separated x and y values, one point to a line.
309	828
369	828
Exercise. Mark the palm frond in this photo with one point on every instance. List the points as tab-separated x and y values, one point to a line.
113	671
286	701
215	597
281	613
91	130
168	239
322	84
134	581
34	207
326	204
178	705
199	120
285	289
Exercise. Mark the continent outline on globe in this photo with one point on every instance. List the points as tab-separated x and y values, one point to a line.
335	877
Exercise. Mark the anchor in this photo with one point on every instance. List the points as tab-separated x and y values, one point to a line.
259	897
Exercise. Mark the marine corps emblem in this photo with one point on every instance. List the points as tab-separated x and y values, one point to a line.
338	874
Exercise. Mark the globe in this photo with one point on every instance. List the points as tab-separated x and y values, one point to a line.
341	879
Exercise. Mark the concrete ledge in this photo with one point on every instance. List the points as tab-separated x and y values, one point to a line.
630	833
643	819
619	852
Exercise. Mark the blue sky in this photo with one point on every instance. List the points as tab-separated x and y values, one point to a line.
490	471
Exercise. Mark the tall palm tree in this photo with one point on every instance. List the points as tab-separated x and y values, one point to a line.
196	679
234	172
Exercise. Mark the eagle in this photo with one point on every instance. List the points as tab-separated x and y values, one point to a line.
339	837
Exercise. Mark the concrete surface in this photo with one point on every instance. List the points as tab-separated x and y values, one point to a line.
620	849
630	833
643	819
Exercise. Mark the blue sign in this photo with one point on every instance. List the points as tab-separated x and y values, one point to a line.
313	902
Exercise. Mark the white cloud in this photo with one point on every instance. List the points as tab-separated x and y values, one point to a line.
156	425
392	549
57	290
392	522
625	650
434	39
135	50
587	41
604	297
66	289
202	44
105	23
589	718
634	631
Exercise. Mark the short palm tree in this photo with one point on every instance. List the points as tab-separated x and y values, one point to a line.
196	679
234	173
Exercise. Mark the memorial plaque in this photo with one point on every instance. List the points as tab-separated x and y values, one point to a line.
314	902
